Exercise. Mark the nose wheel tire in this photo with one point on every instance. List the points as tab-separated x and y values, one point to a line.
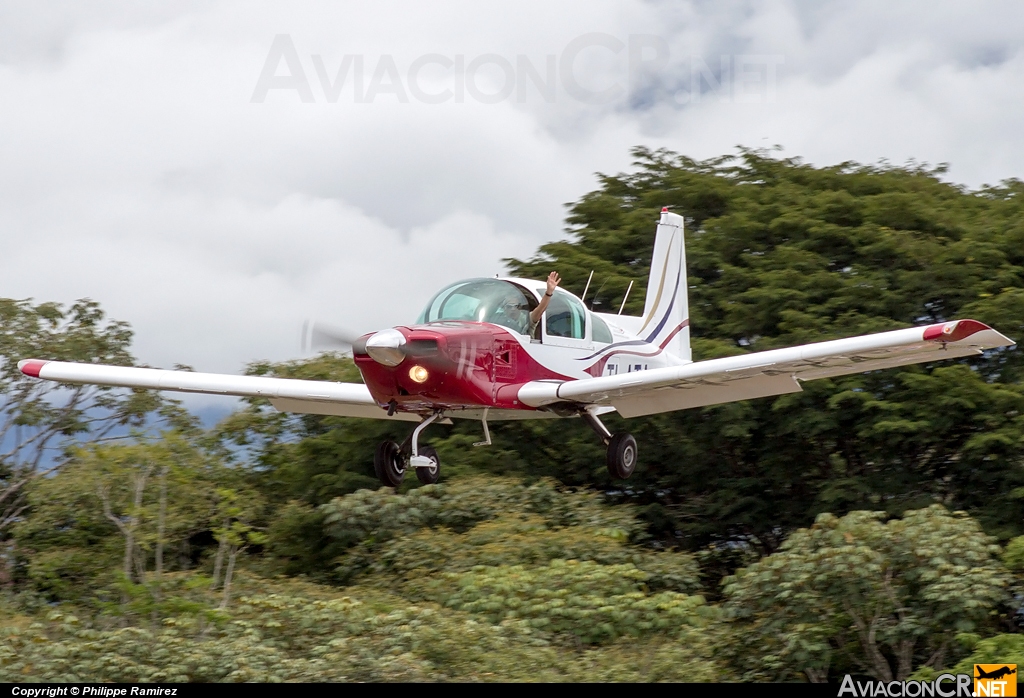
622	455
429	475
389	464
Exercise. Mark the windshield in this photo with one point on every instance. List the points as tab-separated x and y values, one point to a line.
482	300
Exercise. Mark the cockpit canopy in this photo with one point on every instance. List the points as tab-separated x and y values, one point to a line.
483	300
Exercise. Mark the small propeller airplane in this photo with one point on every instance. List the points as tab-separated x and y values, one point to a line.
480	351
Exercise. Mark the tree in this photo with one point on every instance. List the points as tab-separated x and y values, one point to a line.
1007	649
862	594
362	523
39	419
128	522
101	523
779	253
235	513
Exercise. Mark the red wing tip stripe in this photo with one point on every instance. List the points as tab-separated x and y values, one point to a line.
954	331
31	367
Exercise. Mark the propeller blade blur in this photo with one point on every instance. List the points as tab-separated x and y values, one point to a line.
318	336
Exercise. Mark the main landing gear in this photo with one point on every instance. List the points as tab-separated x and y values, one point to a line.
621	447
391	460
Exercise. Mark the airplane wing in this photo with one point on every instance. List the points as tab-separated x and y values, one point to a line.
285	394
766	373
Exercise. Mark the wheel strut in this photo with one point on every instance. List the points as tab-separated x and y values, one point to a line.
621	447
416	460
600	429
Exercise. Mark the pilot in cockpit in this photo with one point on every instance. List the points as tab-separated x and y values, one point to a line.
529	322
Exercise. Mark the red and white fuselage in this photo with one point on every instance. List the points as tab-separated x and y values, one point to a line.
463	365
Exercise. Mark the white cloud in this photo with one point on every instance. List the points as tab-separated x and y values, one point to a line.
136	171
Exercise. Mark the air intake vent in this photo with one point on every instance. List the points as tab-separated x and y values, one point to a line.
421	347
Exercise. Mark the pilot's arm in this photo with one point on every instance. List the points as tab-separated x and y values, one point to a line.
553	280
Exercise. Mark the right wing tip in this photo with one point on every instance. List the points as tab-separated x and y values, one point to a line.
959	330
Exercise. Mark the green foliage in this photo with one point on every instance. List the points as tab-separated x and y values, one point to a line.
49	410
865	594
290	631
1013	555
46	418
998	649
298	542
235	512
71	547
364	521
508	550
526	539
595	603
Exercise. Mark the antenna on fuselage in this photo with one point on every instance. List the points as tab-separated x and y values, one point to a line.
587	288
628	289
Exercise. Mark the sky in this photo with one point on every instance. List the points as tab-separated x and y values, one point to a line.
216	173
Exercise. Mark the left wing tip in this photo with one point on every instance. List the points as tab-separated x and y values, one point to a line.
31	367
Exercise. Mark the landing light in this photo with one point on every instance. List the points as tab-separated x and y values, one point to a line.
418	374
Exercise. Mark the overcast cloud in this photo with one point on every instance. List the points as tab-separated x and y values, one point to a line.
145	166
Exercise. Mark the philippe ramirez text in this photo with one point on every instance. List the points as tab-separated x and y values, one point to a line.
104	691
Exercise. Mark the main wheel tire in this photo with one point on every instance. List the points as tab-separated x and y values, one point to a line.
622	455
388	463
428	476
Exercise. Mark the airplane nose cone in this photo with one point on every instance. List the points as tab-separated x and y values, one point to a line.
386	347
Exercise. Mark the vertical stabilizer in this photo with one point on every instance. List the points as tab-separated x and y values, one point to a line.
666	319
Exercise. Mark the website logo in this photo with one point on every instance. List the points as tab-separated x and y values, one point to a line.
995	680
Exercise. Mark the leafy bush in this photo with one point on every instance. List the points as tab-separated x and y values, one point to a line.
595	603
364	523
295	631
527	539
859	590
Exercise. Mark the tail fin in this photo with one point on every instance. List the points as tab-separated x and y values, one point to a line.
666	319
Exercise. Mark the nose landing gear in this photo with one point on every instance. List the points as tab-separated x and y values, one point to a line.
621	447
390	461
428	473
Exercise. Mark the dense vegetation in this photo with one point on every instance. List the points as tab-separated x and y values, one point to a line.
870	524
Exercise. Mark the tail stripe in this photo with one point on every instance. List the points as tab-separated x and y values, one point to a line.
668	311
661	286
653	334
